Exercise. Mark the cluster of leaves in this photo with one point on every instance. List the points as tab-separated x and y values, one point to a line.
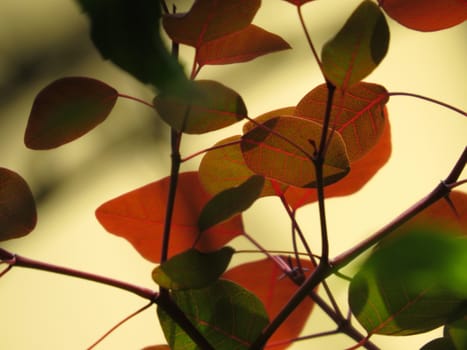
337	136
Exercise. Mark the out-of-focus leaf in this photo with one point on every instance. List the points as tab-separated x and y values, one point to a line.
412	283
273	156
457	332
139	216
267	281
244	45
157	347
361	171
299	2
357	114
439	344
67	109
230	202
229	316
357	48
209	20
18	214
127	33
426	15
213	106
192	269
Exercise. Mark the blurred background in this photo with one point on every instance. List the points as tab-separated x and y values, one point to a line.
41	41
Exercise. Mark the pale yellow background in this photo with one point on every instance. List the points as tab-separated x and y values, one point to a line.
47	312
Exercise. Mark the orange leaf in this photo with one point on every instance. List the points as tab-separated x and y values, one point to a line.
139	215
243	45
426	15
361	171
357	114
210	19
264	279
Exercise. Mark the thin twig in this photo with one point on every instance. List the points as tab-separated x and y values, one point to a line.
429	99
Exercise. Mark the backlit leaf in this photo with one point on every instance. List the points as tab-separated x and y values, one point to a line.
357	48
357	114
213	106
210	19
426	15
267	281
230	202
18	214
67	109
361	171
273	156
243	45
127	33
412	283
229	316
192	269
457	332
251	124
139	215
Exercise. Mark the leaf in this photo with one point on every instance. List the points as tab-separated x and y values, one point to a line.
229	316
412	283
18	214
192	269
357	48
139	217
361	171
67	109
230	202
439	344
213	106
266	280
457	332
157	347
209	20
357	114
251	124
243	45
299	2
127	33
287	158
426	15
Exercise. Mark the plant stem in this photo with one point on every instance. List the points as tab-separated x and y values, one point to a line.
136	99
455	109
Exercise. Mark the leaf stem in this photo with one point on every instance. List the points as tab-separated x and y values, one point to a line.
136	99
429	99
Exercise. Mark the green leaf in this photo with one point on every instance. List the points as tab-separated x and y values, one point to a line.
192	269
229	316
287	158
127	33
230	202
18	215
412	283
212	106
67	109
358	47
439	344
457	332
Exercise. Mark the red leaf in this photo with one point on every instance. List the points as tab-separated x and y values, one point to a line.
243	45
17	207
357	114
263	278
427	15
361	171
299	2
139	215
210	19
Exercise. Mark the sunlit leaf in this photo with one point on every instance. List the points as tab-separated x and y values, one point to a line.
243	45
287	158
358	47
213	106
251	124
267	281
361	171
210	19
229	316
412	283
426	15
357	114
67	109
127	33
192	269
230	202
439	344
139	217
457	332
18	214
